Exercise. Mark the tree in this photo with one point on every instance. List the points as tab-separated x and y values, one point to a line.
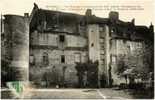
81	68
92	73
136	63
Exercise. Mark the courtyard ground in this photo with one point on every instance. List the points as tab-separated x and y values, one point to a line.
104	93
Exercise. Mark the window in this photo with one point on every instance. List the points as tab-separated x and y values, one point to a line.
32	60
44	25
78	57
102	62
61	38
100	29
113	58
101	40
112	30
92	44
45	58
62	59
124	41
102	47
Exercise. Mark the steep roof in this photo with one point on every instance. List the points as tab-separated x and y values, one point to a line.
74	19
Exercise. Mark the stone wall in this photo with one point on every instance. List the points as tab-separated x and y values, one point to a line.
54	58
52	39
73	48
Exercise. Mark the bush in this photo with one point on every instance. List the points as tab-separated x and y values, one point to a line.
123	86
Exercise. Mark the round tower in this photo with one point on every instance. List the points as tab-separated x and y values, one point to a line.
17	46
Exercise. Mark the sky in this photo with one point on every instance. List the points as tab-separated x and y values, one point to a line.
141	10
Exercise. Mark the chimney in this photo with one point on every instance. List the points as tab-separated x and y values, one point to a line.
26	14
114	15
88	12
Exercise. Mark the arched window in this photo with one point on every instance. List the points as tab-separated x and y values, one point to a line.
45	59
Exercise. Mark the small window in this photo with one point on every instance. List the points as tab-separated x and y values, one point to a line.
92	44
61	38
112	30
128	47
62	59
32	60
124	41
113	59
78	57
45	58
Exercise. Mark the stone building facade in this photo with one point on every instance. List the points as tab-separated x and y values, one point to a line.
58	40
